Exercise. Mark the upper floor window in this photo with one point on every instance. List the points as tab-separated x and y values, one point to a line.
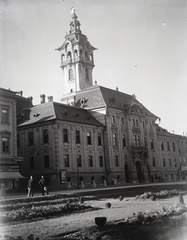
30	138
4	115
18	141
152	144
77	137
114	139
175	162
173	147
154	164
136	140
134	122
169	162
124	140
86	55
100	161
46	161
168	147
5	144
99	139
66	160
122	121
145	142
45	136
162	145
113	120
90	159
79	161
89	141
164	162
65	135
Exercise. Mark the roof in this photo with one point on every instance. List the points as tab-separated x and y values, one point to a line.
98	97
57	111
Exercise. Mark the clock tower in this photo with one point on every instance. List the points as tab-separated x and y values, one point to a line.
77	61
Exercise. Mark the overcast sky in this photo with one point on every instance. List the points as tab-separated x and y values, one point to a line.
142	50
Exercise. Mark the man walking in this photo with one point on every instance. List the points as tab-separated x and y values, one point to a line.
42	184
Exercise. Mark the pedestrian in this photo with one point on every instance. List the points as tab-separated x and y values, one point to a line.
30	187
3	190
42	185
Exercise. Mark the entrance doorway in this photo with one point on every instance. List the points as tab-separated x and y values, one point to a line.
140	175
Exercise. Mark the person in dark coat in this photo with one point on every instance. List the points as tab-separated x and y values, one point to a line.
30	187
44	185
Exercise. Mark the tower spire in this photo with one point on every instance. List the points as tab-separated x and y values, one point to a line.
77	61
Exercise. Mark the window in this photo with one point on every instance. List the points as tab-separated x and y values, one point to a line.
134	122
116	161
173	147
86	72
122	121
31	162
66	160
184	159
164	162
79	161
136	140
114	139
124	141
143	124
154	165
89	142
99	139
169	162
31	138
168	147
5	115
90	161
65	135
45	136
152	145
101	161
162	145
175	162
77	137
113	120
5	144
70	73
46	161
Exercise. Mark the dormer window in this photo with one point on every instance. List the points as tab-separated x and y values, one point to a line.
69	55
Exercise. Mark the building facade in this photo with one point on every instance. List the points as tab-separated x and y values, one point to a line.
9	160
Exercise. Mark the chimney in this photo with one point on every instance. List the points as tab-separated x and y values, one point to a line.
42	98
116	88
50	98
30	98
20	93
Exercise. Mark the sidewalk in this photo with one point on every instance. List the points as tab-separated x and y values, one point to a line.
14	195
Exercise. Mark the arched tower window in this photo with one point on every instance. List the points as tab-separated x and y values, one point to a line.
87	75
91	57
76	53
70	73
69	55
62	57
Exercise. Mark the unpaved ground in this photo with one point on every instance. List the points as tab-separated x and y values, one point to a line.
119	210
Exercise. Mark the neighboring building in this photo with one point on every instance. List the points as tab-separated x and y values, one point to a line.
62	143
9	160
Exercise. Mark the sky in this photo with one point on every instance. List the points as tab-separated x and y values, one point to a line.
141	49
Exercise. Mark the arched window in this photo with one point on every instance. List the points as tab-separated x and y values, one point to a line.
114	139
76	53
86	56
124	141
62	57
69	55
70	74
